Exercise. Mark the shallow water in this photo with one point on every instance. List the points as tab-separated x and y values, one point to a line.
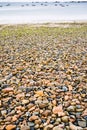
42	12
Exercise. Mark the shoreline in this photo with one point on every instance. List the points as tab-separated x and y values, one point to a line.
48	24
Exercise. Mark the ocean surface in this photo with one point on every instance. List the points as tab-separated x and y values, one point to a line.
42	12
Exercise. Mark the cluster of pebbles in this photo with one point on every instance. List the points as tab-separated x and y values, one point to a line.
43	78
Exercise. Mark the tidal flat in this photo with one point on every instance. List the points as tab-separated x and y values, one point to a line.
43	77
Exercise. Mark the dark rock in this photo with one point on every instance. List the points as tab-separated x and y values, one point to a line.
64	88
28	114
17	122
52	121
43	120
85	117
17	128
21	119
32	128
4	86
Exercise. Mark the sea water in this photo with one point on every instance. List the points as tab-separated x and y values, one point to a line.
42	12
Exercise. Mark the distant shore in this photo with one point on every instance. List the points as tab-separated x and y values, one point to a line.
48	24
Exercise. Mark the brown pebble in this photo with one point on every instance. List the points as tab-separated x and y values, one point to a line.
39	93
33	118
48	127
7	90
57	128
46	113
10	127
32	109
58	110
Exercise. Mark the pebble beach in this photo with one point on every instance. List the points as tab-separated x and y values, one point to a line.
43	77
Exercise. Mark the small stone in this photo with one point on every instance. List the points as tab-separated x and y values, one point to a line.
4	86
33	118
71	108
28	114
30	105
25	127
36	112
19	96
57	128
14	118
0	103
73	127
43	105
58	110
79	110
3	112
7	90
46	113
82	123
25	102
84	112
31	124
17	128
10	127
36	126
65	119
70	87
72	118
8	119
38	121
54	102
66	97
48	127
64	88
58	120
85	117
32	109
9	76
39	93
